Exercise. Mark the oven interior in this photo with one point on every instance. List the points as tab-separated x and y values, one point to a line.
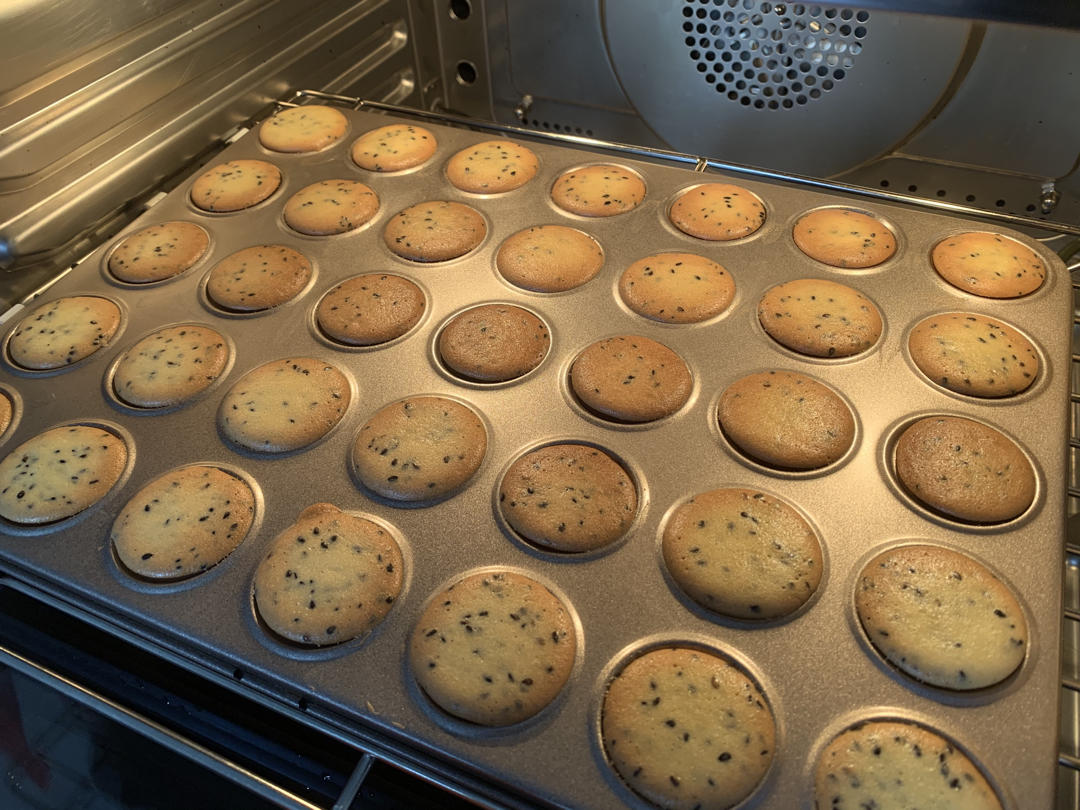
103	110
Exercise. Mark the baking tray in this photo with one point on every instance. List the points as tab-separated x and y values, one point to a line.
816	668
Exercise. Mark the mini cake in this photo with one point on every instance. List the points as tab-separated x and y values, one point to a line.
59	473
492	167
170	366
302	129
677	288
393	148
786	420
941	617
434	231
328	578
63	332
631	378
988	264
284	405
598	191
494	343
370	309
158	252
891	764
742	553
974	355
494	648
843	238
257	278
549	258
964	469
235	185
685	728
183	522
568	497
7	412
717	212
419	449
330	207
820	318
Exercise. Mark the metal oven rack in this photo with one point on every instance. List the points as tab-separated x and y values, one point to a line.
1069	756
369	751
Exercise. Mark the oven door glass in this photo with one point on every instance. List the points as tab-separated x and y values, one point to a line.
91	721
57	752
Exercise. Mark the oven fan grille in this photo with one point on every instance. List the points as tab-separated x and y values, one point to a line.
772	55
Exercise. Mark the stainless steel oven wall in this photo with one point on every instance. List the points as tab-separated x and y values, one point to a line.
963	110
100	101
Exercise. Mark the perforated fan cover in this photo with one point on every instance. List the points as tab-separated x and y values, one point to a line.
805	88
769	55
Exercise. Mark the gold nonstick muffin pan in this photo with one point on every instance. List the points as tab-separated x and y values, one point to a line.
816	668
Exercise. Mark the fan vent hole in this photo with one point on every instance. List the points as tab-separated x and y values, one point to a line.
460	9
466	73
942	193
570	129
777	47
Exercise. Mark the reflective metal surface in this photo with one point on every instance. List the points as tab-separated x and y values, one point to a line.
997	129
1058	13
977	188
155	86
1038	71
44	39
790	91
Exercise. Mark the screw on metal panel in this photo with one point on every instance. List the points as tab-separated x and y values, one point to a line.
521	110
1049	197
